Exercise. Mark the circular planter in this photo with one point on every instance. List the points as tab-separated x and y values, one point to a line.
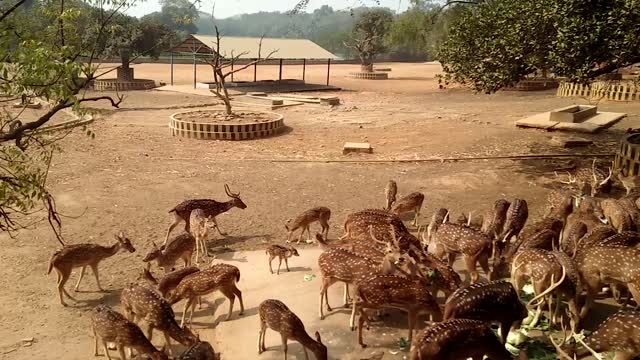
119	85
369	75
225	131
628	155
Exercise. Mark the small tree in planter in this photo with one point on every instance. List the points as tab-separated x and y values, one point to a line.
221	66
368	35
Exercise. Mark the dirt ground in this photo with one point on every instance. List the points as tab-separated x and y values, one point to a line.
134	172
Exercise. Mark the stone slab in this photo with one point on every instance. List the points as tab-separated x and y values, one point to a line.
601	120
260	100
357	147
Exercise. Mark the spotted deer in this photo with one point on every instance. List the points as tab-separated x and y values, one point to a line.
358	223
211	208
454	239
516	219
142	303
459	339
594	179
343	265
588	212
169	281
628	203
493	219
599	265
617	216
275	315
321	214
83	255
180	247
390	192
282	253
221	277
409	203
108	325
495	301
395	292
199	351
619	334
441	216
200	224
549	273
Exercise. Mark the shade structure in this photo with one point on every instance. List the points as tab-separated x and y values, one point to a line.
247	47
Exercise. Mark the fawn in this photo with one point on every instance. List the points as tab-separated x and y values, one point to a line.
83	255
221	277
200	225
169	281
211	208
629	182
321	214
274	314
180	247
493	219
390	192
516	219
459	339
281	253
110	326
617	215
143	303
410	203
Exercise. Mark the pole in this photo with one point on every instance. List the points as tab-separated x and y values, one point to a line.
255	71
328	70
194	70
304	68
231	70
171	59
280	73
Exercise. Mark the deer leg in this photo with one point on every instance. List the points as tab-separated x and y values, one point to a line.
592	286
346	297
470	262
412	323
308	233
323	291
176	221
167	343
279	264
63	276
306	355
228	293
415	217
505	327
94	267
149	332
352	319
123	356
360	323
238	294
106	349
484	263
197	250
300	237
451	258
284	345
271	257
286	263
187	304
261	333
215	222
79	279
95	338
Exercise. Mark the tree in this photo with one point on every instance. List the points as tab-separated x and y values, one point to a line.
48	51
498	43
411	29
221	65
368	35
179	16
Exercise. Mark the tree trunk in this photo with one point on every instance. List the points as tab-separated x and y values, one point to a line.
125	73
366	67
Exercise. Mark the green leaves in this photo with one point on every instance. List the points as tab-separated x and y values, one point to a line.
498	43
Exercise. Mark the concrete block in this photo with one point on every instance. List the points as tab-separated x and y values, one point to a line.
570	141
357	147
573	113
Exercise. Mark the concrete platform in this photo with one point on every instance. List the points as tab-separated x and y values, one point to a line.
601	120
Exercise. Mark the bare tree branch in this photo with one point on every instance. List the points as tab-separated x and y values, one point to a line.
12	9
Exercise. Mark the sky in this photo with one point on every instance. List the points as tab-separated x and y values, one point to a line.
227	8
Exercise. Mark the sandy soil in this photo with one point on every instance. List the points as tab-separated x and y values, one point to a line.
133	172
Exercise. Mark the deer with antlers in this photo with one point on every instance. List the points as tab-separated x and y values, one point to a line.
595	179
619	334
211	208
495	301
459	339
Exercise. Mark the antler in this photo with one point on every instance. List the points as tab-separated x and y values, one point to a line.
608	177
593	352
396	243
572	179
559	350
373	237
550	289
229	193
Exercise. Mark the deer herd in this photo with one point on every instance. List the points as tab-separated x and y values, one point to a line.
586	245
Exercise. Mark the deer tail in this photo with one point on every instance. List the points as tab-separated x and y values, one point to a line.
237	275
51	262
172	210
323	244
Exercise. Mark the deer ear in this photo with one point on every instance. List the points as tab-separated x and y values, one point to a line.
318	337
121	235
